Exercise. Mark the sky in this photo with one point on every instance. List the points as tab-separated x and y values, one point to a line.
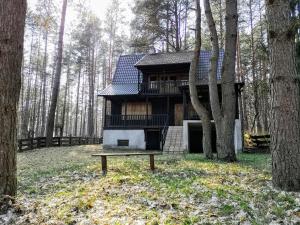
98	6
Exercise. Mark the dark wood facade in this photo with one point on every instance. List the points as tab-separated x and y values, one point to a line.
162	100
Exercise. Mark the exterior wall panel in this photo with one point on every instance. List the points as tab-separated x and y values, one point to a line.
136	139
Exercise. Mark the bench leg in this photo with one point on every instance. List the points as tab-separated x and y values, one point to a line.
152	167
104	165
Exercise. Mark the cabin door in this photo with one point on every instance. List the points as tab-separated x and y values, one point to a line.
178	114
152	140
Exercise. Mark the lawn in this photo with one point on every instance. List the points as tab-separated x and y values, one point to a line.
65	186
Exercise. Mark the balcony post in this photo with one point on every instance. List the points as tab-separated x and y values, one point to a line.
147	110
125	112
105	111
184	106
168	109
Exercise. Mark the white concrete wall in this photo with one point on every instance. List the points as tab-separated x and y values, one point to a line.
136	138
237	134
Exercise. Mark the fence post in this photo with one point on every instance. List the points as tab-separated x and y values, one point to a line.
38	143
70	140
31	143
20	146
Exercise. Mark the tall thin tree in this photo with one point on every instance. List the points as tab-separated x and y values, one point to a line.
224	112
198	106
55	89
12	23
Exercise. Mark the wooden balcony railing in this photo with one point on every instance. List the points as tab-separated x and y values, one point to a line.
135	121
162	87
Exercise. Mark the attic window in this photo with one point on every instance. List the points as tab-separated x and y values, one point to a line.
123	143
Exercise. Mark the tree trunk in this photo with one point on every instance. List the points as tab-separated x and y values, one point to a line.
12	22
257	117
202	112
35	105
285	101
44	85
91	80
26	111
221	24
177	29
63	114
55	90
77	101
224	115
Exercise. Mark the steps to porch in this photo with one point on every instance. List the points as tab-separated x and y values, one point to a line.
174	140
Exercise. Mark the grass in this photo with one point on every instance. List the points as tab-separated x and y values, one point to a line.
65	186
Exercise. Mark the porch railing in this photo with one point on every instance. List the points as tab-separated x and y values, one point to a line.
162	87
135	121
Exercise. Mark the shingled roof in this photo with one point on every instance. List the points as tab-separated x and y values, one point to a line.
125	70
125	80
165	59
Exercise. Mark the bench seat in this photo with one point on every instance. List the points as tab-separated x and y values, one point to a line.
105	155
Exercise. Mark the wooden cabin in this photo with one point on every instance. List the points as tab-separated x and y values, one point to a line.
147	105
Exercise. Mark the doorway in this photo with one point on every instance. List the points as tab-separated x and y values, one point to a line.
195	132
178	114
152	139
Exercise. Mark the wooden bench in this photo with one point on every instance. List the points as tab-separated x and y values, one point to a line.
105	155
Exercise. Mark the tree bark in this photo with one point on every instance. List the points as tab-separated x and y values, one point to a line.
26	113
63	114
55	90
37	68
42	133
257	115
285	101
91	80
12	22
77	100
224	114
202	112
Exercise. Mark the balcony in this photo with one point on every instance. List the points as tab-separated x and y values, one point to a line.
162	87
135	121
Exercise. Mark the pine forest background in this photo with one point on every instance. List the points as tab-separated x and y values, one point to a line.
92	46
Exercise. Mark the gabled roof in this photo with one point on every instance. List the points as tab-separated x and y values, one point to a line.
125	70
125	80
165	59
120	89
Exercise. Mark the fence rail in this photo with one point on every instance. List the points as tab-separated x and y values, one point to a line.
40	142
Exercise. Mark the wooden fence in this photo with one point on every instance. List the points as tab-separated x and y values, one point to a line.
40	142
258	144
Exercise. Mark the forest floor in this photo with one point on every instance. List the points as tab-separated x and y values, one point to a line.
61	186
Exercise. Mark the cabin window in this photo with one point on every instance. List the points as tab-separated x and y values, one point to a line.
153	82
123	143
136	108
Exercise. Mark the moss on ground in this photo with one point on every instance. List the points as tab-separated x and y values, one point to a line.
65	186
